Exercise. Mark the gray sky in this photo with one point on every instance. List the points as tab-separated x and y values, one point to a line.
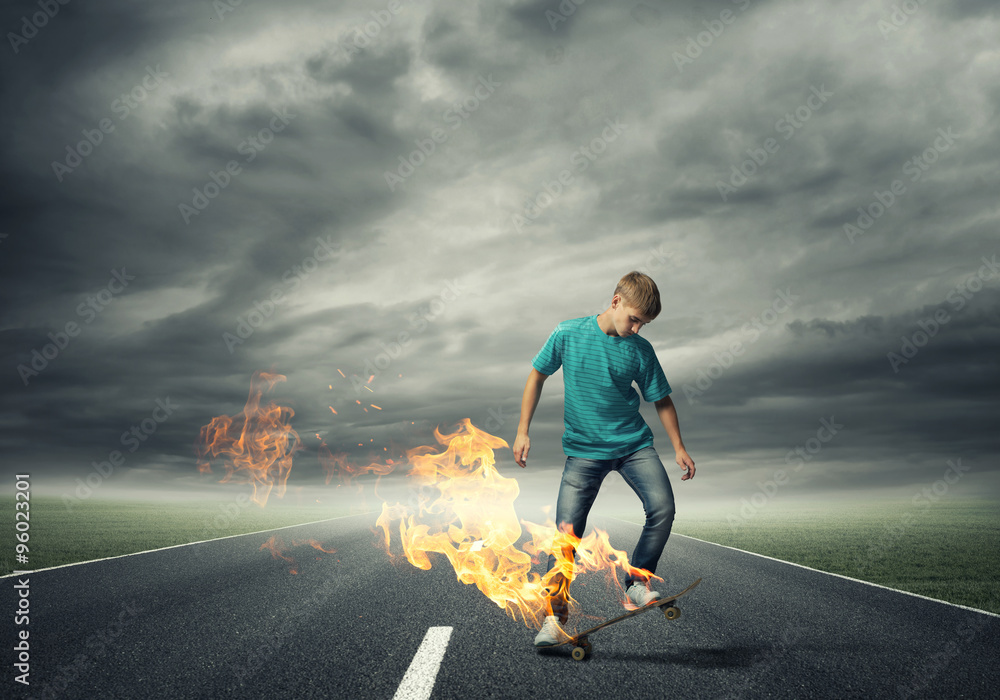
812	184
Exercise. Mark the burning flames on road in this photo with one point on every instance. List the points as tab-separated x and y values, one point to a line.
472	522
465	511
256	446
279	550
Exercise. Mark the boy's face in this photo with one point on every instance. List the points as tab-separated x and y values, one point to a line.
626	319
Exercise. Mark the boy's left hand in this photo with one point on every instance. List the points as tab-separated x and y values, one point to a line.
685	462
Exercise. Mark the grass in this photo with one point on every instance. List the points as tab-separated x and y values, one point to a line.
949	550
95	529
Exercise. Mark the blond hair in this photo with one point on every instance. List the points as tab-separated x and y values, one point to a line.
638	290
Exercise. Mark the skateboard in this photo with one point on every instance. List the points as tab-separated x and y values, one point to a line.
581	644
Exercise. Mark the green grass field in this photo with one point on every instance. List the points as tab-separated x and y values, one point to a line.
949	550
95	529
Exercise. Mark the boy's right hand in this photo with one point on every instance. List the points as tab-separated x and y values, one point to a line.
522	443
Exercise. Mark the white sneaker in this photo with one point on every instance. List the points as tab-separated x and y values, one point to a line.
551	633
640	595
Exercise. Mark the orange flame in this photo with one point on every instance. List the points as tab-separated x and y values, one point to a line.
472	522
256	445
338	465
465	511
278	550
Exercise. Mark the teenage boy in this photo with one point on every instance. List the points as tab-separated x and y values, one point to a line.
601	356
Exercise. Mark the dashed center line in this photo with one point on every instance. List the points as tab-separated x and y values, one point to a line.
420	676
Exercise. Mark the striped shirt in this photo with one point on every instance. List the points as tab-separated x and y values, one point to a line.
602	417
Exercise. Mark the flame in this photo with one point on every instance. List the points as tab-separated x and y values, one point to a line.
465	512
278	550
337	464
256	445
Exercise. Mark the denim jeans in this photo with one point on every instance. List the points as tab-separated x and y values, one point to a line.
581	480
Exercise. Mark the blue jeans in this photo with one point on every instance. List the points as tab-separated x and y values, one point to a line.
581	480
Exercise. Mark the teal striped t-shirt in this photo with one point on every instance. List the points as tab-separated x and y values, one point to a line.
602	417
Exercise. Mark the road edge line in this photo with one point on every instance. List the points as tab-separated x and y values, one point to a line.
828	573
186	544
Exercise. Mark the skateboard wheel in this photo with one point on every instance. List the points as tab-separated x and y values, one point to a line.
579	653
672	612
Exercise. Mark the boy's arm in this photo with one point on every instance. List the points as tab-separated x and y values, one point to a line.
667	412
532	391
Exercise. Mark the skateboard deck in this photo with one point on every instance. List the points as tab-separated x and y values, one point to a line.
581	644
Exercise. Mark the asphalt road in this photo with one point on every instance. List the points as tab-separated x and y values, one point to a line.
225	620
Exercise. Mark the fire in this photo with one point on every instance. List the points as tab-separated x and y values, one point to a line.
466	513
256	445
278	550
337	464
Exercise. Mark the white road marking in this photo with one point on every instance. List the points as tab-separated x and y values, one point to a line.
828	573
188	544
420	676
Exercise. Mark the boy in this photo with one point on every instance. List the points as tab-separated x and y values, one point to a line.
601	356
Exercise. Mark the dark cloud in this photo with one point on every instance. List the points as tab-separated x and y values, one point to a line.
627	137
